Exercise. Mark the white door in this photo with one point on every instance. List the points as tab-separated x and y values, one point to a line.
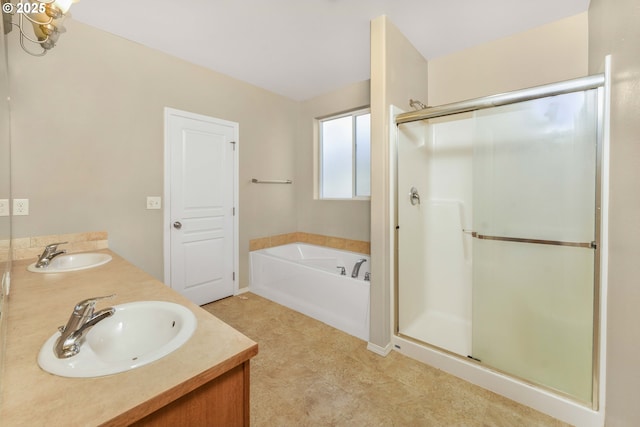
200	221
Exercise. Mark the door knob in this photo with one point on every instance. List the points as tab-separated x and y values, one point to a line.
177	225
414	197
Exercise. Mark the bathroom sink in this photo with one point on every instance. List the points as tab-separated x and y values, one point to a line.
138	333
72	262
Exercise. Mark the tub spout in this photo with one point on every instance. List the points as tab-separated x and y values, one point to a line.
356	267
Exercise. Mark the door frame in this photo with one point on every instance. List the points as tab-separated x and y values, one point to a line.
166	227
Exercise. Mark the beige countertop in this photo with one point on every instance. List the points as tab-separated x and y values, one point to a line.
39	303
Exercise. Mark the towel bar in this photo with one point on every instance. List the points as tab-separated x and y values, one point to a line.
271	181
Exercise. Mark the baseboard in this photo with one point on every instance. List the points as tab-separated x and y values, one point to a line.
243	290
381	351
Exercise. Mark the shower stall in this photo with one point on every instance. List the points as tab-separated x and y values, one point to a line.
498	234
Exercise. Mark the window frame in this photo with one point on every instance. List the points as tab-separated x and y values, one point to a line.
361	111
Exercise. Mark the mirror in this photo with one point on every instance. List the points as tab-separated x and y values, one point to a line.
5	181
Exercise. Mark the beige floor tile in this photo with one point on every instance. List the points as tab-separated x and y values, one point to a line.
307	373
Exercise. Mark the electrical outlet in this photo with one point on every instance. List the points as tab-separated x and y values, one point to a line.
4	207
20	207
154	202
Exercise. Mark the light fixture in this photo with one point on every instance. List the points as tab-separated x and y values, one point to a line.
39	22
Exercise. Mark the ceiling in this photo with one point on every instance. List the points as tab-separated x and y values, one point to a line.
304	48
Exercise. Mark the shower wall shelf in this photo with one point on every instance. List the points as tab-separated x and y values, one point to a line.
271	181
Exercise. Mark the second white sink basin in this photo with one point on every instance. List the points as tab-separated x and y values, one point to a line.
138	333
72	262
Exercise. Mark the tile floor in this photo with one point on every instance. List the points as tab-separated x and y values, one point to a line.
309	374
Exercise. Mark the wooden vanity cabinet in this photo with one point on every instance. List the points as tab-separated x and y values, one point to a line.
223	401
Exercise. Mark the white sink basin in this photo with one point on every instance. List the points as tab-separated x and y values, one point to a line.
72	262
138	333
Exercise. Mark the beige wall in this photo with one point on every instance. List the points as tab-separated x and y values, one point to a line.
347	219
88	141
398	73
553	52
614	30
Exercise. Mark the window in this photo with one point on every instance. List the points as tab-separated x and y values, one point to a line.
345	156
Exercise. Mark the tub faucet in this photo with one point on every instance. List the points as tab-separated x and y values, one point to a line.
343	271
356	267
50	252
81	320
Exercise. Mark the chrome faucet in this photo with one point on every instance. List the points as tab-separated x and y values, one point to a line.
343	271
50	252
81	320
356	267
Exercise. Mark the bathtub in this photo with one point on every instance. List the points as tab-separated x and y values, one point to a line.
307	278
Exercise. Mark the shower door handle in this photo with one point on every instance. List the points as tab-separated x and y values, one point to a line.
588	245
414	197
177	225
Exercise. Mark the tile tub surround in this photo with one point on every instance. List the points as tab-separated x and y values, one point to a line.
31	247
358	246
310	374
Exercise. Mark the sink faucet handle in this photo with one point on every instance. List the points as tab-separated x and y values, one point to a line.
50	251
54	246
81	320
85	307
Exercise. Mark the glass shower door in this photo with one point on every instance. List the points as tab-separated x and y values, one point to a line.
534	229
434	256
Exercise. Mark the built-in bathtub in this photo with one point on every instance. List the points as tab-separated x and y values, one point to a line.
308	279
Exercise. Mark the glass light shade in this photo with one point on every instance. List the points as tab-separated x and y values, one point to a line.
38	30
48	29
47	34
63	5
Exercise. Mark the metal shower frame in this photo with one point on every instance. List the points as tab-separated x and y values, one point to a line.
596	81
